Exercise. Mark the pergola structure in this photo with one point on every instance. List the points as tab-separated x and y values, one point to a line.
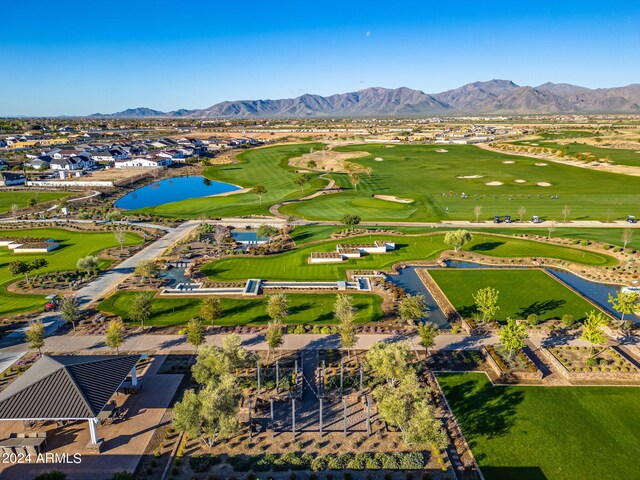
67	388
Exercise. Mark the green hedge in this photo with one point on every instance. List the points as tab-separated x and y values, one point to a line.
307	461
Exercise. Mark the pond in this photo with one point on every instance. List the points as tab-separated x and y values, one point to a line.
248	237
173	190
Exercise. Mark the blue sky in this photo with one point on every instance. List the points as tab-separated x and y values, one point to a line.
80	57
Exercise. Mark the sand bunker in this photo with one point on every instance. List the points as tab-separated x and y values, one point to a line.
543	184
535	144
509	161
470	176
442	150
329	161
391	198
541	164
389	146
378	159
494	184
519	180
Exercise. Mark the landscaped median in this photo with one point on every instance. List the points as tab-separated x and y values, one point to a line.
303	309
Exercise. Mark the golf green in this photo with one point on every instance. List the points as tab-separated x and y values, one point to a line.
73	245
303	308
522	292
293	265
547	433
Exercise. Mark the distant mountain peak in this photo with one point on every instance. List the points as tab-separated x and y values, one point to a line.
489	97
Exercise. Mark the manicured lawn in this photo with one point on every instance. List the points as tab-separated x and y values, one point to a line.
547	433
293	265
261	166
432	180
7	199
303	308
522	292
73	245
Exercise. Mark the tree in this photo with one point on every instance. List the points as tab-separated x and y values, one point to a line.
51	475
278	306
350	220
114	335
428	332
70	309
521	212
312	164
210	309
592	330
624	302
345	312
212	413
412	308
120	234
354	178
35	335
477	211
19	267
301	180
113	216
259	191
212	362
457	238
627	235
551	227
195	333
88	263
266	231
406	407
566	211
15	208
147	269
390	361
140	308
274	335
32	202
512	336
487	302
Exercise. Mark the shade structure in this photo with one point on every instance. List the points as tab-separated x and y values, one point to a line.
65	387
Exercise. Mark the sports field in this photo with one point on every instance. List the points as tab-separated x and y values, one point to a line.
303	308
261	166
547	433
73	245
7	199
436	180
522	293
292	265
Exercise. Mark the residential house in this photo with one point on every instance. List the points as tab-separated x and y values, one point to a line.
4	165
155	161
8	179
39	163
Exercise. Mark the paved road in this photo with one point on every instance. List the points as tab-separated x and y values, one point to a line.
74	220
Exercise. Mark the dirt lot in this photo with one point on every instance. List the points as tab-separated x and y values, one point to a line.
112	174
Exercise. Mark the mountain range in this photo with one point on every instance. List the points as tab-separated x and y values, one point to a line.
492	97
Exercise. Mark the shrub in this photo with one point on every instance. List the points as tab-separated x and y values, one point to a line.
533	319
411	461
199	463
568	320
319	464
585	243
591	362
